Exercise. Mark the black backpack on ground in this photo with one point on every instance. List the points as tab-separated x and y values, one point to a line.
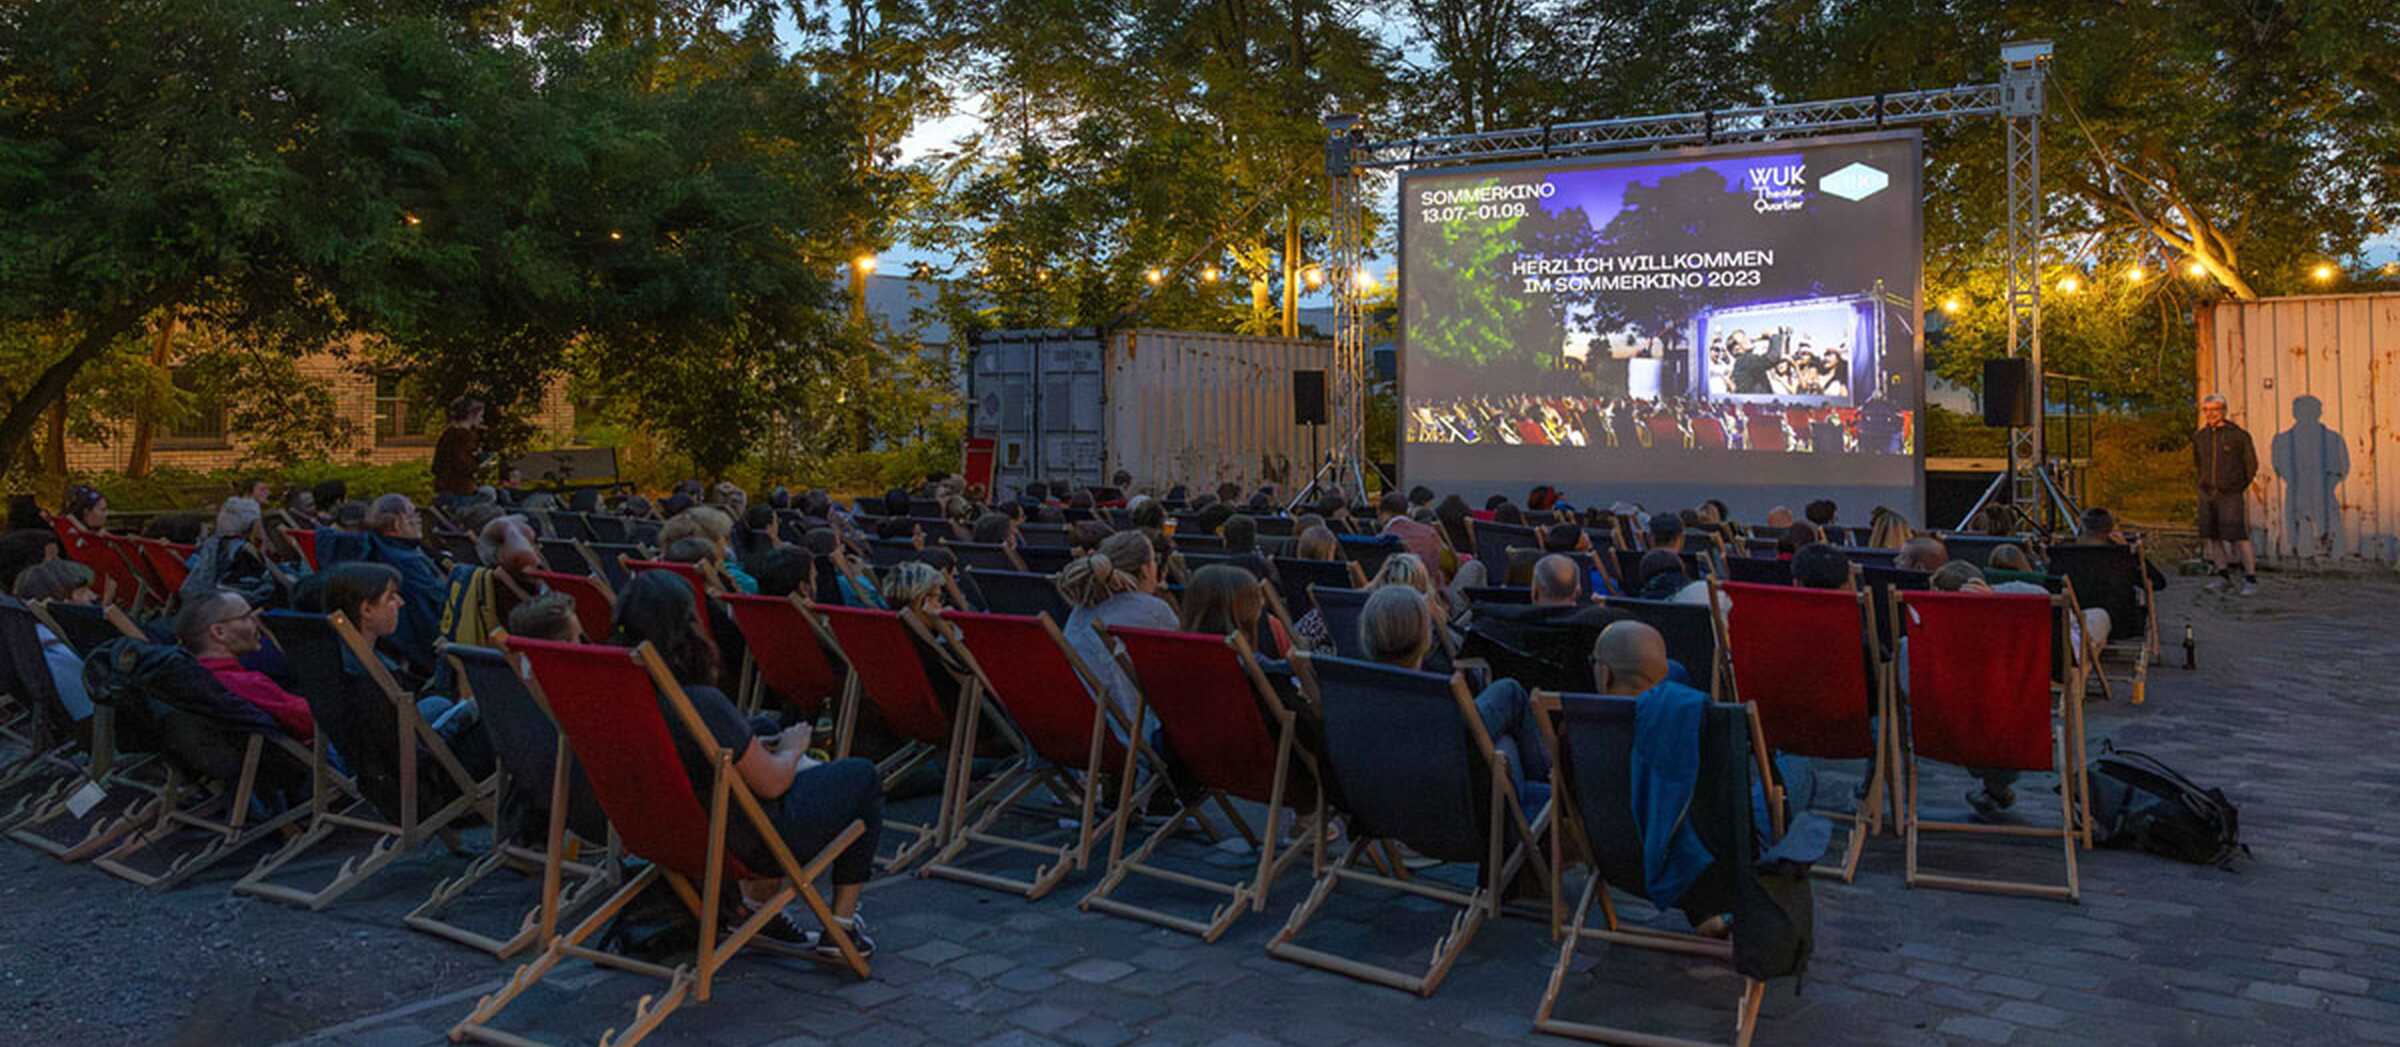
2140	802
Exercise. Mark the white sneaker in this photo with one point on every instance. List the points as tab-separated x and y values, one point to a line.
2249	588
2215	585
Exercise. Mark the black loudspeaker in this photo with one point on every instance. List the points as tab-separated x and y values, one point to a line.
1308	398
2008	392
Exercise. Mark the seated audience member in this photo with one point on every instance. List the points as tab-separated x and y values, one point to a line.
233	555
712	525
1998	792
1396	628
219	628
1241	544
1822	512
370	597
1795	536
1922	553
809	802
86	508
1084	537
995	529
1779	518
1666	533
1557	599
350	516
397	541
60	581
549	616
913	585
785	571
1887	529
1630	660
1564	539
1424	541
761	530
1225	600
1821	566
1958	576
23	548
1147	513
2008	563
2100	528
1115	586
481	594
1457	525
1316	543
1405	569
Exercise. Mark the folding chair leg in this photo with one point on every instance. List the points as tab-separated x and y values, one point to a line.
1474	909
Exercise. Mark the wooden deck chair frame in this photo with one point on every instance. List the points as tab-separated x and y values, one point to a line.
1274	856
133	783
394	838
186	821
1567	841
1865	819
1501	864
2145	651
957	752
695	980
1081	792
592	879
2066	714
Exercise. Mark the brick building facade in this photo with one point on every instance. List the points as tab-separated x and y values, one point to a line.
392	426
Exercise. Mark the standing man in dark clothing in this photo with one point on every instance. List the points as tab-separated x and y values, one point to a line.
456	454
2225	461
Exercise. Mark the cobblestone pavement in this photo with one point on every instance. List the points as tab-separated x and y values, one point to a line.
2299	945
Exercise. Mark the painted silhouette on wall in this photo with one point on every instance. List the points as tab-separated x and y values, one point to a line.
2311	460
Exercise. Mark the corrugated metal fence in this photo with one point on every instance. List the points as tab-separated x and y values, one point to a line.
2316	382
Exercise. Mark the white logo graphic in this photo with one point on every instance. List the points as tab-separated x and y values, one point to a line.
1777	188
1855	182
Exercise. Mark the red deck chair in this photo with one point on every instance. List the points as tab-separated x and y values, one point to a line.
1061	711
703	584
1235	738
1980	694
607	701
92	549
1810	698
786	647
128	550
166	561
887	670
305	542
595	605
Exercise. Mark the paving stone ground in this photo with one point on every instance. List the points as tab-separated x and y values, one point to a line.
2292	713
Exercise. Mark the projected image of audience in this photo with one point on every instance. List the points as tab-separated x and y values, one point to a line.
1675	423
1818	351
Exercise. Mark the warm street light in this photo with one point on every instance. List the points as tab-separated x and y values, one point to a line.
2196	269
863	264
1952	305
2324	271
2069	285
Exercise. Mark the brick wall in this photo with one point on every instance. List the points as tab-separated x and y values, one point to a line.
354	399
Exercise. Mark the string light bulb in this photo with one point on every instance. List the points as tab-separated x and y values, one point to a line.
2134	274
411	218
2324	271
1363	279
1155	277
615	235
1209	274
1314	277
864	264
2069	284
2196	269
1952	305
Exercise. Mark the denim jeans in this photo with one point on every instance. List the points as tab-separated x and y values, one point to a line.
1508	718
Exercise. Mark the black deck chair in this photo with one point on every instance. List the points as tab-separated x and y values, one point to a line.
1045	559
1758	570
49	733
1868	556
573	526
121	747
1414	766
991	556
1276	526
1341	610
1251	562
1592	738
1020	592
607	560
529	752
1881	581
891	552
565	555
1047	535
935	527
1294	576
607	528
1977	548
1499	594
1553	655
1695	636
1493	540
84	626
1196	541
412	786
1369	553
2115	578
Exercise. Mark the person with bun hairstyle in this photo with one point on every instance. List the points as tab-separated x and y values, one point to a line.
1116	586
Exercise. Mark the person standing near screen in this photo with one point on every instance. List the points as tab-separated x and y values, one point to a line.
456	454
2225	461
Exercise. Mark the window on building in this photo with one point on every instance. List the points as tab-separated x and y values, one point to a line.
401	413
202	422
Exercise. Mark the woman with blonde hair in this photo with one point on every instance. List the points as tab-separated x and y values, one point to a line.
913	585
1115	586
1887	529
1408	570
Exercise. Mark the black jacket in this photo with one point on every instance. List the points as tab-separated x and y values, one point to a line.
2224	459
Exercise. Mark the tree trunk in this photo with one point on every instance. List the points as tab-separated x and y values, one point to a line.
1291	273
54	451
51	387
145	415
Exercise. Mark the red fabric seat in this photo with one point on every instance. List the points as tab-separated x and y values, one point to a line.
1801	654
167	561
783	644
1206	701
687	572
606	705
882	652
94	551
1028	665
1979	679
305	541
595	607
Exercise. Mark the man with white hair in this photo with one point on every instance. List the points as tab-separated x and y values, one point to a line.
233	555
2225	461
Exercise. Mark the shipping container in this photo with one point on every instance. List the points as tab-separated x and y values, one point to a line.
1167	406
2316	382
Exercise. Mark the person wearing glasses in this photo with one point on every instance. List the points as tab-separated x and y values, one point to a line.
219	628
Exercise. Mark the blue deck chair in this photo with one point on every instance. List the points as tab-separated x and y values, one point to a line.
1754	570
1294	576
991	556
1341	609
1592	741
1695	636
1410	758
1020	592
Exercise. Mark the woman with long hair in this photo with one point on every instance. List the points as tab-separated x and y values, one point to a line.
1115	586
1227	600
809	802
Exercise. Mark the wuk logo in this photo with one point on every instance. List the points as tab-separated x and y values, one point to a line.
1855	182
1778	188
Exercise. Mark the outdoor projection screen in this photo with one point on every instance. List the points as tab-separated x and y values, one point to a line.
1739	322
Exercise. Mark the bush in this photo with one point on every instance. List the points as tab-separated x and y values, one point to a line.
171	488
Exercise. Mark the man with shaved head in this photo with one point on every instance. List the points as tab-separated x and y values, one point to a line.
1630	659
1558	598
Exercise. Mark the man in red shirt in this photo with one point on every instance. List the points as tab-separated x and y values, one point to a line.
218	629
